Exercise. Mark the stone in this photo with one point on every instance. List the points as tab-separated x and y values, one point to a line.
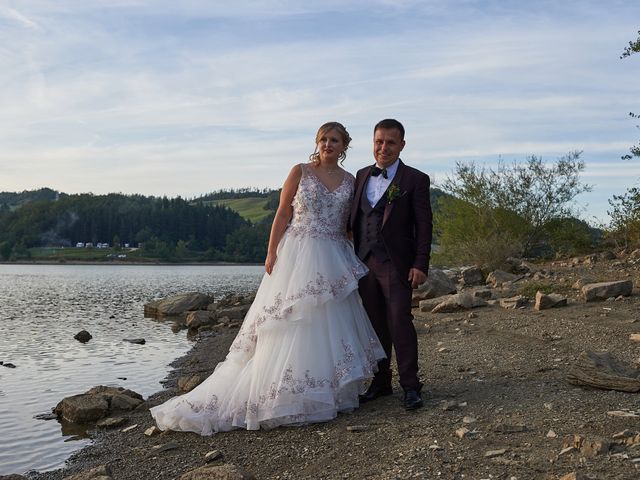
512	303
430	303
604	290
165	447
357	428
468	420
234	313
472	276
601	370
552	434
199	318
111	422
97	403
152	431
212	456
463	432
226	471
495	453
499	277
7	364
593	448
483	293
138	341
551	300
457	302
102	472
634	337
438	284
574	476
177	304
45	416
130	428
83	336
186	384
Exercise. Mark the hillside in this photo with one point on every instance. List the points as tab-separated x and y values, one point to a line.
250	208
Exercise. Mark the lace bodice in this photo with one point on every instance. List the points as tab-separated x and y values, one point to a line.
319	212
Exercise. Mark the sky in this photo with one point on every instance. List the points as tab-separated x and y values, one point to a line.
183	98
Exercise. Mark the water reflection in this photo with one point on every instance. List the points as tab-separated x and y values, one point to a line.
44	306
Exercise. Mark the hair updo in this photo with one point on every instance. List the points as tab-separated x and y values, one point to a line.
322	131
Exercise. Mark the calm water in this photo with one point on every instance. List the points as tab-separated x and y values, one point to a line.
43	306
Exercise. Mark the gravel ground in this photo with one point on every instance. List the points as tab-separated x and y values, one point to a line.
499	373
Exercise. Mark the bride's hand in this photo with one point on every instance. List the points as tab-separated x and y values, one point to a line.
270	262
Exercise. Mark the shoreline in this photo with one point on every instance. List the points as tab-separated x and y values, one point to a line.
120	263
497	404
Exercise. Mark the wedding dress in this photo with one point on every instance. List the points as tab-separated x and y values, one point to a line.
306	343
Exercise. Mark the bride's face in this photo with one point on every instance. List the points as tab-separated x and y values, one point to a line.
330	146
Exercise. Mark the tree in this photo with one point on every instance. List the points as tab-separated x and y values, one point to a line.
624	229
493	214
634	47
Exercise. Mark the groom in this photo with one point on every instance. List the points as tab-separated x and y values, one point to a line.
391	225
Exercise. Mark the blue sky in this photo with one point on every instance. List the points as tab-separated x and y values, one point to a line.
183	98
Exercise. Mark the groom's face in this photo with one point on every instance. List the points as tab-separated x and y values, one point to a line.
387	145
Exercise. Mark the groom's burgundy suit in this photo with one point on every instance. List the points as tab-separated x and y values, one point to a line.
392	237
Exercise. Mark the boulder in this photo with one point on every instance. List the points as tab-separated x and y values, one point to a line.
200	318
483	293
604	290
430	303
472	276
226	471
234	313
499	277
83	336
437	285
457	302
512	303
601	370
581	282
177	304
551	300
97	403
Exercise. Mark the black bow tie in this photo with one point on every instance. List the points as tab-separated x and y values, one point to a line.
375	171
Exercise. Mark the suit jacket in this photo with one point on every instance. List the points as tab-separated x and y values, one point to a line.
407	224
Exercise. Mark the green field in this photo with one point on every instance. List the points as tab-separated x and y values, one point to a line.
250	208
82	254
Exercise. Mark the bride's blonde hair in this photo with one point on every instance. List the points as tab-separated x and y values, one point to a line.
322	131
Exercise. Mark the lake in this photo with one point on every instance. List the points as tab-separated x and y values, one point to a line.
42	307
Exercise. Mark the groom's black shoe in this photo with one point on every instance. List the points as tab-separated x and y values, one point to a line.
412	399
375	391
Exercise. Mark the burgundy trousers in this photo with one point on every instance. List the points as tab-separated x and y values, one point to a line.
387	301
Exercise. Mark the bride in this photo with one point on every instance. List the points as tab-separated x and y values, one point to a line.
306	343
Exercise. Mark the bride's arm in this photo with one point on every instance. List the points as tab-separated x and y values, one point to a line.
283	216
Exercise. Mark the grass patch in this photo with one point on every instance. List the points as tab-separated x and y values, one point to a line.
250	208
531	288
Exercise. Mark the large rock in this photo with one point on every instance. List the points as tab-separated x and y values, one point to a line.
457	302
97	403
234	313
177	304
430	303
604	290
497	278
551	300
601	370
513	303
200	318
472	276
226	471
437	285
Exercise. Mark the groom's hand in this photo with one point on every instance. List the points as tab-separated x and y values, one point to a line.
416	277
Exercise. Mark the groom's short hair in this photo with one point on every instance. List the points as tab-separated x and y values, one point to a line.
388	124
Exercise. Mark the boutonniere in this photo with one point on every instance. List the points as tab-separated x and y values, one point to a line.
393	192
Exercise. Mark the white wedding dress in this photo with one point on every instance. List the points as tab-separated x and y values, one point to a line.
306	343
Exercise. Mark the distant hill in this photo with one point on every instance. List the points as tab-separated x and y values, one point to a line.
13	200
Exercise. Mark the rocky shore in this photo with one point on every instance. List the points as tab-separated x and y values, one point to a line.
529	373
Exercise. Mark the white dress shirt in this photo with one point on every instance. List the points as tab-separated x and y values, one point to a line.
376	186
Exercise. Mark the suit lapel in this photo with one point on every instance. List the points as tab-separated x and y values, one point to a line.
396	181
